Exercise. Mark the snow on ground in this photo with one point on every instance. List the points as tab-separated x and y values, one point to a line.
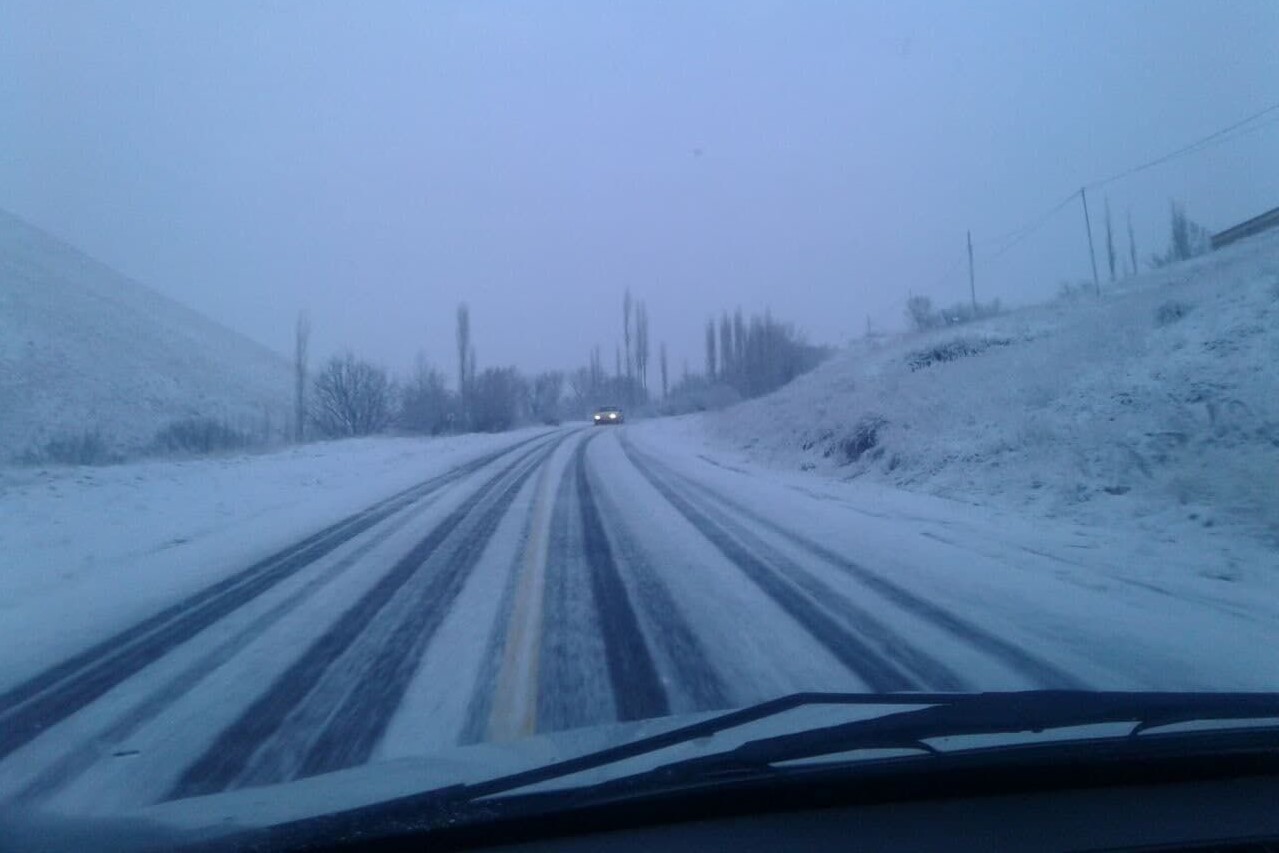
1120	610
97	549
1154	408
83	348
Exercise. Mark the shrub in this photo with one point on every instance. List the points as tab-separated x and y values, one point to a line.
86	448
863	438
952	351
199	436
1170	312
920	313
1067	292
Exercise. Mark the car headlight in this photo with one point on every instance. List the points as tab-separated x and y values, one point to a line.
612	416
597	417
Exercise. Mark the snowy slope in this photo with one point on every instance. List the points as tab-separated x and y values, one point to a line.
1156	405
82	347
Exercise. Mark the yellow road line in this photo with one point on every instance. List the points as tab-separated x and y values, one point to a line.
514	711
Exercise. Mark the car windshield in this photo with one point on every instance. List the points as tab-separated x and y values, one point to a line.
405	395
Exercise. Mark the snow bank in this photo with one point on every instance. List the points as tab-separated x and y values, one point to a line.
83	348
1157	405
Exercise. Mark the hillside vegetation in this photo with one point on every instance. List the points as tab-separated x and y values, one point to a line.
1159	401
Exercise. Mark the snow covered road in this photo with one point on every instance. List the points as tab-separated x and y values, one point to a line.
584	576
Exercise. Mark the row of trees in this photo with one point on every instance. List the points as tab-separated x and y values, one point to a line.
1186	239
756	355
349	396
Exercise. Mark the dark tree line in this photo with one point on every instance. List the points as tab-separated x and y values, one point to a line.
757	355
349	396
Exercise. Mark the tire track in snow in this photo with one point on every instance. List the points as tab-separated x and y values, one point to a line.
572	686
81	757
231	754
1040	672
29	708
876	655
689	665
638	692
359	723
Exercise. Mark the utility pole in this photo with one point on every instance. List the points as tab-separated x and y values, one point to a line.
972	284
1092	256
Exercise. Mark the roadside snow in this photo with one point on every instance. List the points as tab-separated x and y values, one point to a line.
1110	604
1154	408
96	549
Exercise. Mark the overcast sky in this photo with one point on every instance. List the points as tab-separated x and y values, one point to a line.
377	163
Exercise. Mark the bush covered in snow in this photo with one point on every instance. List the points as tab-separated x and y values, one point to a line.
1170	312
199	437
952	350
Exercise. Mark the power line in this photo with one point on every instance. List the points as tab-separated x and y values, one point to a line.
1012	238
1194	147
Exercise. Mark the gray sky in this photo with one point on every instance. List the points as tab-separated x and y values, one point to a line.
377	163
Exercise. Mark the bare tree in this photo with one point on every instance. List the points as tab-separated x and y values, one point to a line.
920	313
710	349
464	351
471	361
301	344
726	347
661	360
544	396
626	330
641	346
597	370
1110	242
1187	239
351	397
426	405
1132	245
496	394
739	338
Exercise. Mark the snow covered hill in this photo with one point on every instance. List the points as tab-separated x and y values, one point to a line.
82	348
1157	404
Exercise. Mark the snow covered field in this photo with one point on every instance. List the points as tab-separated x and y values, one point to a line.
1153	409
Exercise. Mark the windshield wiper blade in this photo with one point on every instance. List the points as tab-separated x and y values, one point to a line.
452	805
693	731
976	714
943	714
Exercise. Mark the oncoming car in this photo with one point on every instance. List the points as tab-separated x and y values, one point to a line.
605	415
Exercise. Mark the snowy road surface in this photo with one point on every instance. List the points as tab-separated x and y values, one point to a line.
576	577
